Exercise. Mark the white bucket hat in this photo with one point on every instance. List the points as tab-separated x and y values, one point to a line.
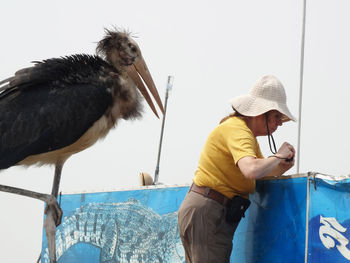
267	94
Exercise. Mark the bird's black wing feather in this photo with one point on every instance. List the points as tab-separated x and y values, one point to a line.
51	105
73	68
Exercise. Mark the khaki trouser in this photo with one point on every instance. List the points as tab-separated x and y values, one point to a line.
204	232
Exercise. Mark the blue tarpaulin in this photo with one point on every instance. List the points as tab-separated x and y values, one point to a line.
275	229
141	225
329	221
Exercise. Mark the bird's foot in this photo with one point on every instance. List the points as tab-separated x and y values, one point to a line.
53	219
54	209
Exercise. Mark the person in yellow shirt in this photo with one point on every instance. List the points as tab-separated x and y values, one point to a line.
230	162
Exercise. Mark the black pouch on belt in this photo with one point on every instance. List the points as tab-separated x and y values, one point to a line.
236	209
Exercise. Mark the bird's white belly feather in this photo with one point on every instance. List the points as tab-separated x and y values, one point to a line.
98	131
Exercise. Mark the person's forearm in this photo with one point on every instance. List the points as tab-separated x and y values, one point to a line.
260	168
278	171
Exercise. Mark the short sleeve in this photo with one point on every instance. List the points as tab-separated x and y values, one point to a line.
242	143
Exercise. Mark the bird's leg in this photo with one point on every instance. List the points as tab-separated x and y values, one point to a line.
50	230
53	214
49	199
57	179
53	211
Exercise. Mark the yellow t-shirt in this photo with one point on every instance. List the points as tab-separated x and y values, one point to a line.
225	146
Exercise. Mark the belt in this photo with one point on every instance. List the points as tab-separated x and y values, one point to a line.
210	193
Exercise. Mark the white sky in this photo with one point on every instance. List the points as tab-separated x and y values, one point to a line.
215	50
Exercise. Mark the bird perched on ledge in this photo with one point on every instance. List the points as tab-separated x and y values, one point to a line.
61	106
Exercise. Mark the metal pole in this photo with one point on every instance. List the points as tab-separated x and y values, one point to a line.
308	181
301	85
168	88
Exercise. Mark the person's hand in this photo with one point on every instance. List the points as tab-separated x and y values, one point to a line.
286	151
286	164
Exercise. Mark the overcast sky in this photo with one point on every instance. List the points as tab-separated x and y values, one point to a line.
215	50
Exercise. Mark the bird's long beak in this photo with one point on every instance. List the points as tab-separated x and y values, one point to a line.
139	68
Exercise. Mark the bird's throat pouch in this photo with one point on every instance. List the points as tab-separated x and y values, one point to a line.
236	209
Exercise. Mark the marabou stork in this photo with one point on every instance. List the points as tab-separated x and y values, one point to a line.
61	106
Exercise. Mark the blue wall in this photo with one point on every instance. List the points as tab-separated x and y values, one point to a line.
141	225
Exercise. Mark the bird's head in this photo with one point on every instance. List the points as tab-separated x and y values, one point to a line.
121	51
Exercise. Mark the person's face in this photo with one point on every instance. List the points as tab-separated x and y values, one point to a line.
274	119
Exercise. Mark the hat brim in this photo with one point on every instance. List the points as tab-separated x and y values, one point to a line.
248	105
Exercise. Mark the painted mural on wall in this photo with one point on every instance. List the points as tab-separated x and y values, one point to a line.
125	226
